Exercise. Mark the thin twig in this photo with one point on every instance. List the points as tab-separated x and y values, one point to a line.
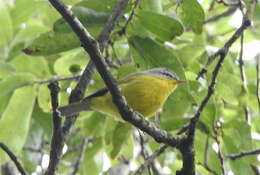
242	73
150	159
159	151
255	169
258	80
123	30
13	158
207	168
212	4
224	14
205	164
80	157
78	93
246	23
56	148
188	156
91	46
243	154
228	3
143	150
44	81
220	156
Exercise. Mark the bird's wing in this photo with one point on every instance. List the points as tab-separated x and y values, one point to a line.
103	91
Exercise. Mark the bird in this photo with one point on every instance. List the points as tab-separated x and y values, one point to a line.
145	92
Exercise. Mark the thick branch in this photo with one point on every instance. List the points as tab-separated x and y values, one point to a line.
78	93
56	148
187	147
13	158
92	48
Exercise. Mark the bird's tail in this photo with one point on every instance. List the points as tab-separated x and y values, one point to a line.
74	108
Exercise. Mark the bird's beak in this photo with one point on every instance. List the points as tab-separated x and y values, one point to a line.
181	81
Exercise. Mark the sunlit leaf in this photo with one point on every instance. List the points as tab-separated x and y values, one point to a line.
52	43
192	15
120	135
6	29
89	18
10	83
165	27
18	115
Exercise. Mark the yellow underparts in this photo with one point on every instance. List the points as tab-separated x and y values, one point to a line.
145	94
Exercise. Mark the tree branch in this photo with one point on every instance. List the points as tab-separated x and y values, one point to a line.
158	152
57	137
243	154
123	30
78	93
13	158
150	159
92	48
246	23
220	156
187	147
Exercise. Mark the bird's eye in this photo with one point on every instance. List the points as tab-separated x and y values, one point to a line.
167	74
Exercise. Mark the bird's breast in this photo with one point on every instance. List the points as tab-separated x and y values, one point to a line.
147	94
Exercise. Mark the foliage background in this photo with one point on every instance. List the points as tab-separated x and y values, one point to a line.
167	33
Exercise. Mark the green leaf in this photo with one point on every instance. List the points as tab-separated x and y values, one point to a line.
209	114
175	123
4	102
101	5
10	83
192	15
237	138
19	15
151	5
71	62
91	19
94	124
44	99
165	27
226	93
148	53
52	43
44	120
256	14
15	120
190	52
37	66
121	133
30	31
109	128
6	29
89	162
6	70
